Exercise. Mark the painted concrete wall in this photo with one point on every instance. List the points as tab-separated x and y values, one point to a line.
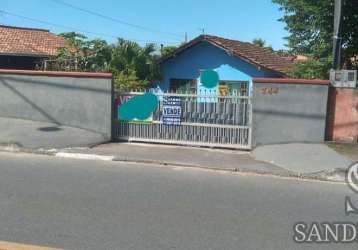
77	101
188	64
343	115
289	112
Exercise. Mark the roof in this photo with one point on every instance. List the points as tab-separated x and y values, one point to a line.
29	42
254	54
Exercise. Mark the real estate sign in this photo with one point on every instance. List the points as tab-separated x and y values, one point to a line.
171	110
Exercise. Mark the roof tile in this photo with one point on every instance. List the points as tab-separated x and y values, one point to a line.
254	54
26	41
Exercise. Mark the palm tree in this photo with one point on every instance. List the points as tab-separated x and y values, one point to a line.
132	62
132	65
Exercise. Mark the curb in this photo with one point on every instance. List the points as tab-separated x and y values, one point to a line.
13	148
84	156
335	175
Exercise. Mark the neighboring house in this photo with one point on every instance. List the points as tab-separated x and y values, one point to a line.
25	48
234	61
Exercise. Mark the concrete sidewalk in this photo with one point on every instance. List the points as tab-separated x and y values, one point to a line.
305	159
313	161
216	159
301	157
30	135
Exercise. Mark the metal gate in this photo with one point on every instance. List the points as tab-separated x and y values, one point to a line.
206	119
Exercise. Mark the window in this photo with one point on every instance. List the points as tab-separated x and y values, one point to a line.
183	85
233	88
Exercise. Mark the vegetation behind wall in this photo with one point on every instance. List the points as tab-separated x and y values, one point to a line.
132	65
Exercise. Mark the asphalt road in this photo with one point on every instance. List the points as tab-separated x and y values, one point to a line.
78	204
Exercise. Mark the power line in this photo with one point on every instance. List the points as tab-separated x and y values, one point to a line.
74	28
116	20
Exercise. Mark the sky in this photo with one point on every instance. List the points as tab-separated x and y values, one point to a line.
160	21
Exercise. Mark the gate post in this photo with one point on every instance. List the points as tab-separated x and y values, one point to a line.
250	113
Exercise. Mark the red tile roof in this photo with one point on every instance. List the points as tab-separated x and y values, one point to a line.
254	54
29	42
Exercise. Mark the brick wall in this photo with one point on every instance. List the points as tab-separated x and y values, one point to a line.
342	122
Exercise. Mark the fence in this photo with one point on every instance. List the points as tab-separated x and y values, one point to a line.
206	119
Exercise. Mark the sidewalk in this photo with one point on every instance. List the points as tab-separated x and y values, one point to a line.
311	161
216	159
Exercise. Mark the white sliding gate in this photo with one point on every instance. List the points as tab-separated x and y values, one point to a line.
205	119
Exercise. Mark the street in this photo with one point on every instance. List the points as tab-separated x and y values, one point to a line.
81	204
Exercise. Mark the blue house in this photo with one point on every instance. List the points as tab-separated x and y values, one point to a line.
235	62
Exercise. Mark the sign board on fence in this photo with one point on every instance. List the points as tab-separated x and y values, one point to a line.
171	110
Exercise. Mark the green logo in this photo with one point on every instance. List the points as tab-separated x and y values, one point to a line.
209	78
138	107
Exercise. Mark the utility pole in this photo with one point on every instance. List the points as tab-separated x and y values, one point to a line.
186	37
337	39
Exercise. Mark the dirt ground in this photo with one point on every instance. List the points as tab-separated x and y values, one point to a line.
347	149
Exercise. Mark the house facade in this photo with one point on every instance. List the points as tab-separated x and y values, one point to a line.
27	48
234	61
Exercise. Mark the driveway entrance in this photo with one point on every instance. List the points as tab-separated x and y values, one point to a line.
200	119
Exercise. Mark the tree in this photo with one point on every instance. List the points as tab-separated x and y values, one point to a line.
74	39
311	69
83	54
310	24
166	50
132	65
128	80
99	56
129	59
259	42
262	43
